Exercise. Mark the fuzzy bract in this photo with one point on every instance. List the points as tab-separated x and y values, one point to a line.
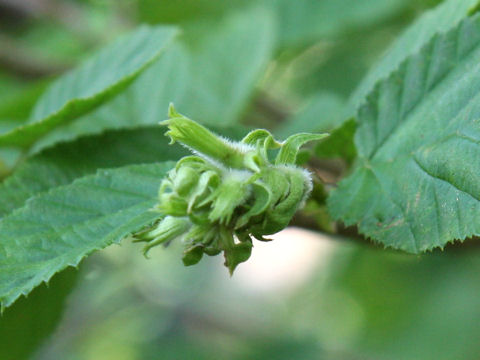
228	193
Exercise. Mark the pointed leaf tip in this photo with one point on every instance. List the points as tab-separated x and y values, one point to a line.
172	112
289	151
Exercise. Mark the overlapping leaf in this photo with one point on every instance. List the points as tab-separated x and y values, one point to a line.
59	228
210	73
417	185
439	20
64	163
95	82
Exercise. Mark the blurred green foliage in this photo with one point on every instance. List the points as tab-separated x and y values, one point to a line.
361	303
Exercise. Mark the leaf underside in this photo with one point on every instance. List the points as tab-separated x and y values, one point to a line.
59	228
416	186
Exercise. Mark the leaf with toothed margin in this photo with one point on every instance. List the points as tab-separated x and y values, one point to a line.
441	19
95	82
59	228
31	320
417	184
62	164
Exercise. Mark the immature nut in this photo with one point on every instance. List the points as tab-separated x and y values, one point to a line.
228	192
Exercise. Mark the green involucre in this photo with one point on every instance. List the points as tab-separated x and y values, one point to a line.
228	192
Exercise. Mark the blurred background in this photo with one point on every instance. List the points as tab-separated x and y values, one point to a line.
304	295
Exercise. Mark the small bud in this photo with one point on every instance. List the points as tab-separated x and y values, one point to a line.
228	193
168	229
236	255
231	193
208	180
192	255
172	204
262	198
185	179
203	141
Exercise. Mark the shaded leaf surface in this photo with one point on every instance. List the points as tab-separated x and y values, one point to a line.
339	144
417	186
64	163
59	228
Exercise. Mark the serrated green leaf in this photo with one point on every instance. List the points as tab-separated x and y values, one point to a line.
417	186
59	228
64	163
209	74
92	84
443	18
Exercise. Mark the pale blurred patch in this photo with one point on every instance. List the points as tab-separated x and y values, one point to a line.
285	263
